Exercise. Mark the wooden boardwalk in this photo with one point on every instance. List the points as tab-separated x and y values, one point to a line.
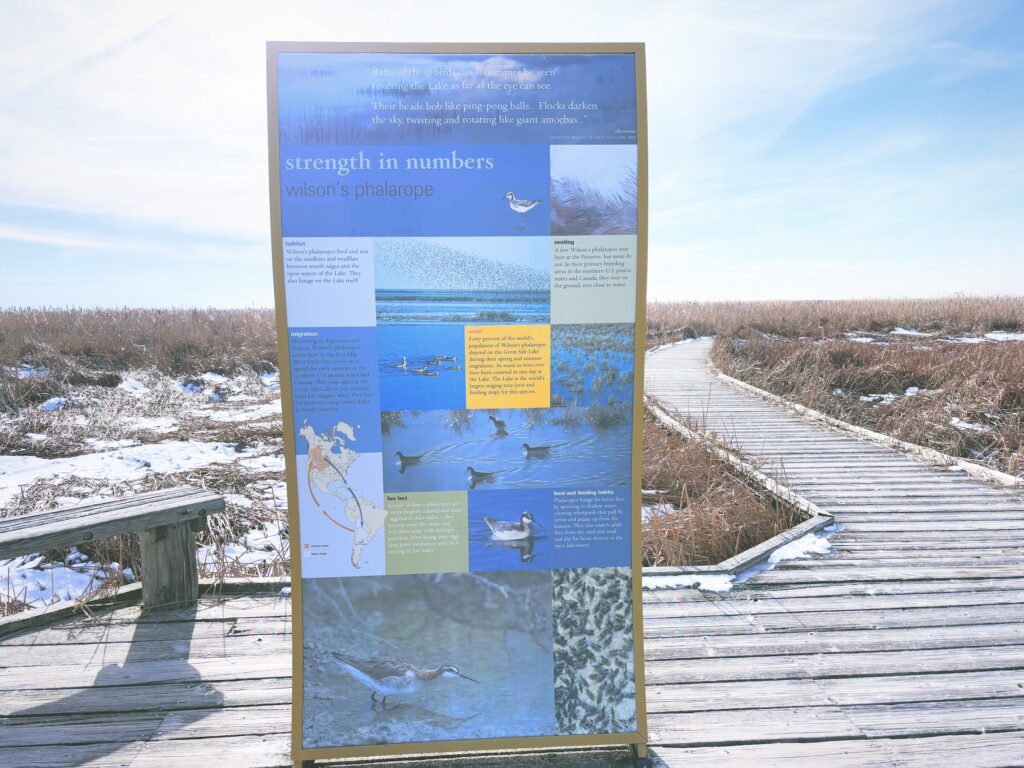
904	648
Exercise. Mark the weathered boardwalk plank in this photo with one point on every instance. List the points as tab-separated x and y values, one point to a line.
900	649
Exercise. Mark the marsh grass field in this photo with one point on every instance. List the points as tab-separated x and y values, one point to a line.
101	403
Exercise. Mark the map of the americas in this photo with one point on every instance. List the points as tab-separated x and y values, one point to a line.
327	472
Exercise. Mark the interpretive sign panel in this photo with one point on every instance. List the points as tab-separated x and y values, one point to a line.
459	238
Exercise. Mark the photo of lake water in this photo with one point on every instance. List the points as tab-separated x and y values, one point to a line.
421	366
467	280
463	307
458	449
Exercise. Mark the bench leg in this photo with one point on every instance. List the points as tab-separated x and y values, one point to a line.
169	575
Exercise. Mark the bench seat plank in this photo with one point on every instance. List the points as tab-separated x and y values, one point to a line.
68	526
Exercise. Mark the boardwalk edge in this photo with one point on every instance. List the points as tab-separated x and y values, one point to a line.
929	455
818	518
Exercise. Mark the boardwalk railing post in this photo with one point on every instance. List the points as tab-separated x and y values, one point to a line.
170	577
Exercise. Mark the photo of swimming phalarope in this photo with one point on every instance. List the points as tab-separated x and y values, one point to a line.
509	530
521	207
386	676
507	448
418	366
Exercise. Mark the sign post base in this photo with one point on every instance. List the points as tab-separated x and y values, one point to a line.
639	754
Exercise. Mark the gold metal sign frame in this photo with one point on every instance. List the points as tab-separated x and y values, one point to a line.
635	740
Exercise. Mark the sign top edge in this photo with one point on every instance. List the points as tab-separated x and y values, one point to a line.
284	46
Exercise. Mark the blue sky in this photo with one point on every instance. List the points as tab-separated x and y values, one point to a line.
798	150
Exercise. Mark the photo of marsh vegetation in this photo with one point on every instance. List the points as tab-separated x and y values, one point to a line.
494	629
463	280
586	447
593	189
592	364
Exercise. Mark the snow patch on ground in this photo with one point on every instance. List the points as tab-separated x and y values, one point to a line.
969	426
127	464
26	371
133	387
53	404
710	582
810	544
655	510
908	332
253	413
30	580
806	546
1004	336
964	340
884	398
159	424
259	546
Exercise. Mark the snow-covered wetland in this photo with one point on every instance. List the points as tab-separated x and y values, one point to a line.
148	431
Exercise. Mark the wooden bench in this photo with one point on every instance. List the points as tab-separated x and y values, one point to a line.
166	522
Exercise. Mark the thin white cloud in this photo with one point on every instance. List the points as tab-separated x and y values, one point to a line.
67	240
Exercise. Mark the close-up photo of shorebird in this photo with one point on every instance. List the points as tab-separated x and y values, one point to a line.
509	530
386	676
522	207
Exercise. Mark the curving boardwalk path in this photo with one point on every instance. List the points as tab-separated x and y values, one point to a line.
904	647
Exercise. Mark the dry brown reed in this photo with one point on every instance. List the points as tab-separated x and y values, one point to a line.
714	512
74	347
970	398
824	319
